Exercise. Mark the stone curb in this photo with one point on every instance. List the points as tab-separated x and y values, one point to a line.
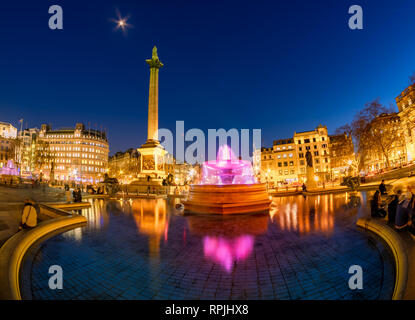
398	249
14	249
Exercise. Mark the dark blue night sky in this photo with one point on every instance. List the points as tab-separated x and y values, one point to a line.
281	66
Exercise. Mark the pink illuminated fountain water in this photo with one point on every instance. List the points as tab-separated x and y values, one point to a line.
227	169
9	169
228	186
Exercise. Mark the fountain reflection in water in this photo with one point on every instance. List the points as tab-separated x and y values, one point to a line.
228	240
226	252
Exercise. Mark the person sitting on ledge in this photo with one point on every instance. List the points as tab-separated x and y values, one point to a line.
375	209
382	187
29	215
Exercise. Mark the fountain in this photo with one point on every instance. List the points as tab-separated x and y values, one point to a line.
228	186
9	169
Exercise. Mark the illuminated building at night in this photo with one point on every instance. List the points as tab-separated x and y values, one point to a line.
125	166
406	106
79	154
8	134
285	163
7	130
317	142
279	164
27	150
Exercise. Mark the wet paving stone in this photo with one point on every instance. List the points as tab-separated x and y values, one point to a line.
145	249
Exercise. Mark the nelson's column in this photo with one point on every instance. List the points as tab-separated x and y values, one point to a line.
152	153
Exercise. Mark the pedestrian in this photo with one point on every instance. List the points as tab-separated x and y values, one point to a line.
382	188
29	215
404	208
67	193
376	210
393	206
79	195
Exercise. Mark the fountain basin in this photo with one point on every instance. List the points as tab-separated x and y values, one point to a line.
228	199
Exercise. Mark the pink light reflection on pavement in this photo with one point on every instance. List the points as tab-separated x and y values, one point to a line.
227	251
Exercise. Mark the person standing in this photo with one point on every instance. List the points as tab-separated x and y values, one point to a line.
405	205
382	188
67	193
376	210
393	206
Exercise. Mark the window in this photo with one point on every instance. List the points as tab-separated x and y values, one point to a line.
301	162
299	141
315	146
317	161
307	147
280	172
323	139
306	140
314	139
300	149
292	172
324	145
285	172
316	153
285	155
285	164
301	155
290	155
326	160
291	163
279	164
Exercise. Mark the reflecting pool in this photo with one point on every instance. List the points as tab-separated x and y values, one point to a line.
146	249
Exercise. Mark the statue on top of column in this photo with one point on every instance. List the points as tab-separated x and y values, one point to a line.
154	56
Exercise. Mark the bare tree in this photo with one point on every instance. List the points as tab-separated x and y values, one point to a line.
381	136
43	155
412	79
347	128
375	131
13	149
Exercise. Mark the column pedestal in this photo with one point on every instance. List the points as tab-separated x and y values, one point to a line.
311	183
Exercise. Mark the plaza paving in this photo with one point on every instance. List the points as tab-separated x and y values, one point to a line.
144	249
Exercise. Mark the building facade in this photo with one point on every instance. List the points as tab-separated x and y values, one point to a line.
125	166
5	151
317	142
279	164
26	155
406	106
75	154
285	163
7	130
8	135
